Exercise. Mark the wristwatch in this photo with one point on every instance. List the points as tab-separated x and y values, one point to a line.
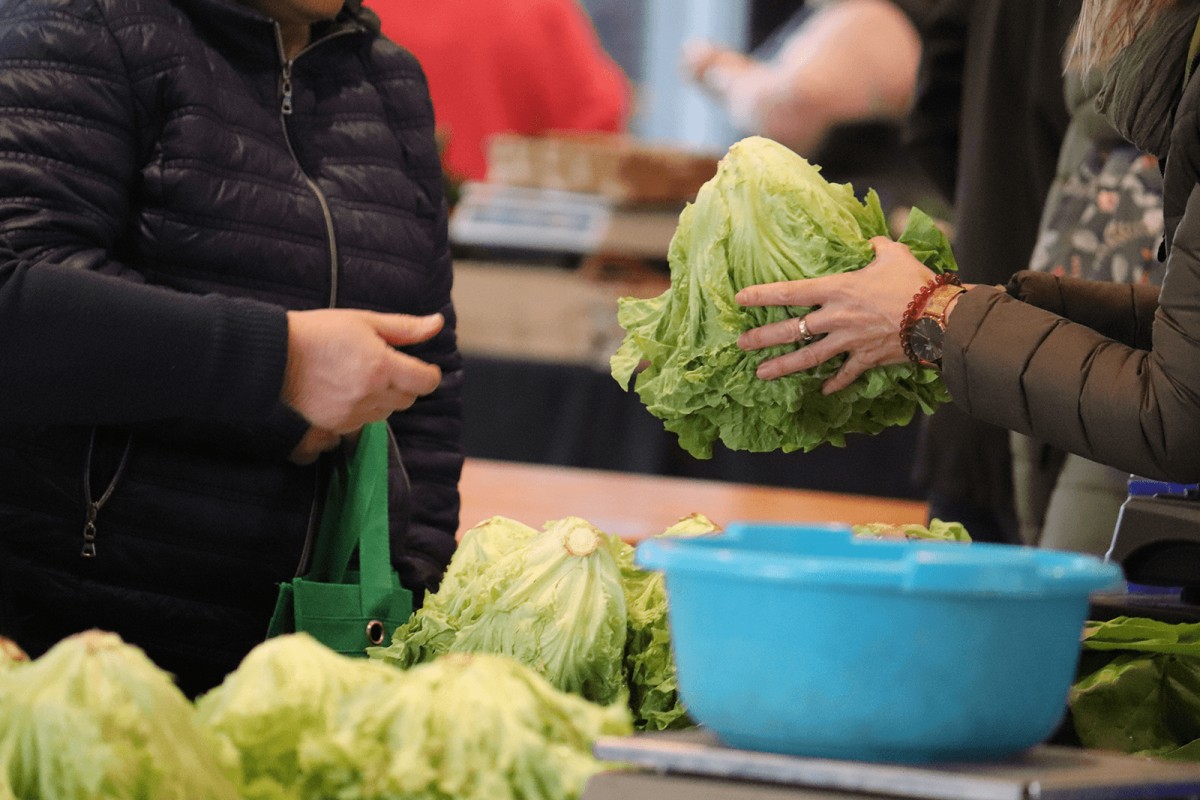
923	333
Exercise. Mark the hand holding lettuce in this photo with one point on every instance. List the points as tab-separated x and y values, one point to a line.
767	216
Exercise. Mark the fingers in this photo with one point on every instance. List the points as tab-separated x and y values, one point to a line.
814	355
343	369
405	379
794	330
404	329
802	359
854	314
851	368
819	349
315	441
392	381
808	292
408	375
697	56
401	381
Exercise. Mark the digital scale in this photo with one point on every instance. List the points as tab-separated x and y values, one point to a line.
505	217
1157	543
693	765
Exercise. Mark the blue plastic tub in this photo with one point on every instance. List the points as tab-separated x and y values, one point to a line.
808	641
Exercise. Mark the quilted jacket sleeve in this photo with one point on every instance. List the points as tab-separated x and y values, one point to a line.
67	157
73	343
80	345
1120	311
1053	377
126	353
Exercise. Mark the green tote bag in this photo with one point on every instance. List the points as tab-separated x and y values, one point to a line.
348	609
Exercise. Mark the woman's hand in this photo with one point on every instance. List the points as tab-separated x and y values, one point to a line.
315	442
712	66
343	371
858	313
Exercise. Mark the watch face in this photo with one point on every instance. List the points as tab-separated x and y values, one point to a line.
926	341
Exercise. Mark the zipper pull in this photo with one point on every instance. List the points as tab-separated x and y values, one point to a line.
285	86
89	532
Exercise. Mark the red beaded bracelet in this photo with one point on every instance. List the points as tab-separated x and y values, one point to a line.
917	305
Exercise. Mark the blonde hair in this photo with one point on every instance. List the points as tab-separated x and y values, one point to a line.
1105	27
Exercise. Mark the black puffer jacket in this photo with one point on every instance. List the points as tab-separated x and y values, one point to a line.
167	142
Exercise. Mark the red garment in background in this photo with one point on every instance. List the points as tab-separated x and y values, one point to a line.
522	66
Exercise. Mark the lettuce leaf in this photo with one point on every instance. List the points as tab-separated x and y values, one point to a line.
568	601
467	727
459	601
767	215
94	718
285	690
1138	688
649	663
938	530
552	600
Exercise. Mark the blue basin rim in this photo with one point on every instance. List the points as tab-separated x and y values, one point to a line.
917	567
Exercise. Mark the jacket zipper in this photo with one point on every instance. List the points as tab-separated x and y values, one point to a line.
94	504
285	111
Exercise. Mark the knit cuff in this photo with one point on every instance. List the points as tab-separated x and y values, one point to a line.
246	360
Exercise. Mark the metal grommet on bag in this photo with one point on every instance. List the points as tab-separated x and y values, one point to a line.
375	632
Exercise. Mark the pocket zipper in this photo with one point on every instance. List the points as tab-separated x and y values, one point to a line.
94	506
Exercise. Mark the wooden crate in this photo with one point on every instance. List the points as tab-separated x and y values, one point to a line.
611	165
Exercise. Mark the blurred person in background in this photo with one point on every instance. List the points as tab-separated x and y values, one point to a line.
832	62
204	204
1107	371
505	67
1102	221
833	83
987	125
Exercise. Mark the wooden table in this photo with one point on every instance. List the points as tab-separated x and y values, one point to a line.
634	506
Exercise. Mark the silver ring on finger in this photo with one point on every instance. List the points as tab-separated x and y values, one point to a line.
806	335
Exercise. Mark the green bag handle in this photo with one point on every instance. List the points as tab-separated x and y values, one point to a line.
357	500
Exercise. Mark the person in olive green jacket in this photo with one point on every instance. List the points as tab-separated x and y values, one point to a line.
1108	371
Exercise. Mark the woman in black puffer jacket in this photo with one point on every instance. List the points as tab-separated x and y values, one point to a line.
217	165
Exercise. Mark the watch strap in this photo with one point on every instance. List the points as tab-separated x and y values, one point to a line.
917	308
939	300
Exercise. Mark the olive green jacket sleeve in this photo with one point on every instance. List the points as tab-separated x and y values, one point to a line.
1110	372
